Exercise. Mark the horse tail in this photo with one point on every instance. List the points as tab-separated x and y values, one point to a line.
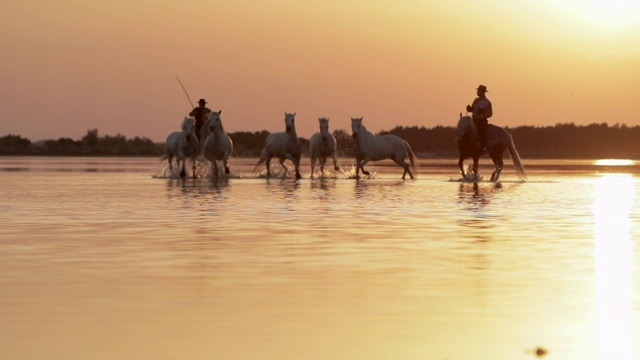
412	158
262	159
168	146
516	159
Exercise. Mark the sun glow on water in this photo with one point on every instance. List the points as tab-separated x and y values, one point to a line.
614	162
613	252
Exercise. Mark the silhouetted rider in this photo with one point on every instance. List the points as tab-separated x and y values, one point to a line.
201	114
481	111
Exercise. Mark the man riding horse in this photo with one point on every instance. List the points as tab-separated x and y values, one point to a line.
481	111
201	114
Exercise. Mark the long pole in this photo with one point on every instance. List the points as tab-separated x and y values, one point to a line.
185	92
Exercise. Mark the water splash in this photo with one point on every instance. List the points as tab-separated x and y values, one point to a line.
351	173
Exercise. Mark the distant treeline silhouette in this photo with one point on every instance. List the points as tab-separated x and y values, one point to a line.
559	141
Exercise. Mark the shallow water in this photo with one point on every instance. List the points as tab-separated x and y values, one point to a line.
107	258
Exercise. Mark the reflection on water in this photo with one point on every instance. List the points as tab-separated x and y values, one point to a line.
614	196
108	265
476	198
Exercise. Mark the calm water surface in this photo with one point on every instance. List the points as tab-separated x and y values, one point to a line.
114	258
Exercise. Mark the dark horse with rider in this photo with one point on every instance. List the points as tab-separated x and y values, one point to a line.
476	136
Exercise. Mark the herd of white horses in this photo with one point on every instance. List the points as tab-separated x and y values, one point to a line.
217	147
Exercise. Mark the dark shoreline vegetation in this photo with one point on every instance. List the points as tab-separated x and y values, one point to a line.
559	141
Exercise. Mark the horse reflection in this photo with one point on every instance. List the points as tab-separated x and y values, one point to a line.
386	190
322	187
476	197
285	187
219	184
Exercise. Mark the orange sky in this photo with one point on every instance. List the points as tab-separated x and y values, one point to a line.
73	65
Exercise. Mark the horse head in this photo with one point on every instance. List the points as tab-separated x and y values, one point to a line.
215	122
324	128
289	122
188	127
356	126
465	128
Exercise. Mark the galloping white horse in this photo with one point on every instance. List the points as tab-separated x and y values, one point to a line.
218	145
378	147
182	145
284	146
322	145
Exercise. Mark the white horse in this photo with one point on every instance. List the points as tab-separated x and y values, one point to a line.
322	145
379	147
284	146
218	145
182	145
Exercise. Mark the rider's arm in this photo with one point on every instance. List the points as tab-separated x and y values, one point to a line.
488	111
472	106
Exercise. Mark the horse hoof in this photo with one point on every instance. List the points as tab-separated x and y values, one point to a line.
336	168
365	172
183	174
298	176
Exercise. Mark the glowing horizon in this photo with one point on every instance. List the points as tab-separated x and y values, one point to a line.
112	66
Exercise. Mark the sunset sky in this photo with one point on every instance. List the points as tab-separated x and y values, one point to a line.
68	66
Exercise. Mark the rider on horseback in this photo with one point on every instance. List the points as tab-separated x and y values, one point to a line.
481	111
201	114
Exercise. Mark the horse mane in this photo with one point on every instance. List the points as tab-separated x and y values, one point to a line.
364	128
220	121
468	122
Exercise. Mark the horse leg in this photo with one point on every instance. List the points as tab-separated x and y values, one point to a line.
170	158
226	166
323	161
215	168
268	164
497	161
362	163
407	169
358	162
313	165
461	166
281	161
335	163
194	165
296	163
405	166
183	172
475	166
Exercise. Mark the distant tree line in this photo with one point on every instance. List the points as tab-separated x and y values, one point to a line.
90	145
559	141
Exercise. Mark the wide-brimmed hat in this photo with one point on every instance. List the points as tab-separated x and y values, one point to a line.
203	101
482	88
